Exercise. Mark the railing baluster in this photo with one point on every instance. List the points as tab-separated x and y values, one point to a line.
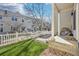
10	38
7	38
0	39
3	40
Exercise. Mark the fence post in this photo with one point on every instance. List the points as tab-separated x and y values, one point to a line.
1	40
16	36
7	38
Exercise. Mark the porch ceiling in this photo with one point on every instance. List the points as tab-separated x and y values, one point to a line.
64	6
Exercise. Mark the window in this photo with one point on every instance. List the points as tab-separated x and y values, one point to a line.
0	17
11	27
14	18
14	28
5	11
1	24
1	29
22	20
23	28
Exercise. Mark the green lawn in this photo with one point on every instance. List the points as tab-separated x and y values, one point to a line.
24	48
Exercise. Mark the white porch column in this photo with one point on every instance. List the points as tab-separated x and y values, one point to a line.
58	24
77	23
52	22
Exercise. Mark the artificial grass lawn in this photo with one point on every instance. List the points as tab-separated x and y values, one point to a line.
28	47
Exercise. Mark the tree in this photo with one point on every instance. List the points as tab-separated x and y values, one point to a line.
37	11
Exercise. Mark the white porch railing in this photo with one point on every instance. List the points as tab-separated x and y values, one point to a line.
11	38
6	39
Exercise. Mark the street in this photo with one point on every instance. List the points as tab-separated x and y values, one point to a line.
44	36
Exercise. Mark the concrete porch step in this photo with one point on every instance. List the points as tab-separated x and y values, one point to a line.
63	49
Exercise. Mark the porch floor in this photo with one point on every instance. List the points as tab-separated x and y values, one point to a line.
70	39
54	52
61	49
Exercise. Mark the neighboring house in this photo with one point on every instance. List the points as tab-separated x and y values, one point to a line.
41	25
11	22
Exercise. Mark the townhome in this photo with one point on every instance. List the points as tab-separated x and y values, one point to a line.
10	22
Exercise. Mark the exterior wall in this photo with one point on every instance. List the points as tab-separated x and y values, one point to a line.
28	24
6	24
66	20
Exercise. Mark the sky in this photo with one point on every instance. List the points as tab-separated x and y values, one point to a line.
21	8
